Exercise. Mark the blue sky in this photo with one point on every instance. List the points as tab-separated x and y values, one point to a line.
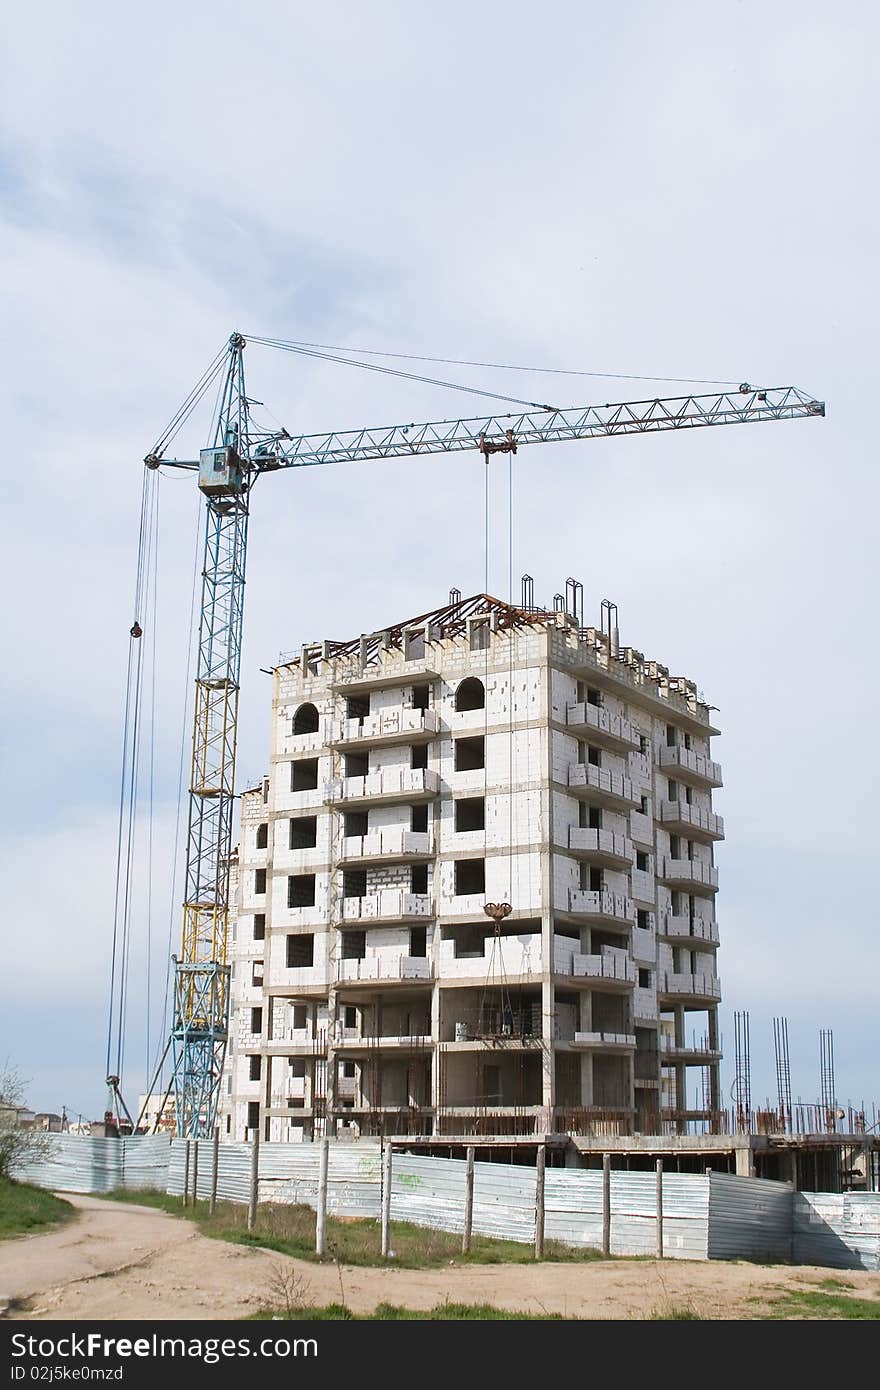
680	190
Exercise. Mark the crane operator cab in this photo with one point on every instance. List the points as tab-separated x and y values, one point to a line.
220	471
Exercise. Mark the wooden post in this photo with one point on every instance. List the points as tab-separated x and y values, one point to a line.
186	1174
468	1201
386	1203
659	1208
255	1180
606	1204
215	1169
195	1172
321	1216
539	1201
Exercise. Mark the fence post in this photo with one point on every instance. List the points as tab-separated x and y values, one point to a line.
386	1203
215	1168
186	1174
606	1204
255	1180
539	1201
195	1172
659	1208
321	1215
468	1201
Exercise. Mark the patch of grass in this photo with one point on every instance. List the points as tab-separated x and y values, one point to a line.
25	1210
290	1230
799	1303
392	1312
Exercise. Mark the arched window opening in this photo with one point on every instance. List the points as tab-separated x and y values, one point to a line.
305	721
471	694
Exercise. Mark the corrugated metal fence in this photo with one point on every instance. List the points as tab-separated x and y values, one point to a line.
749	1214
431	1192
69	1163
837	1229
718	1216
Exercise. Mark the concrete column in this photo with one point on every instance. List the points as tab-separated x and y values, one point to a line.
714	1077
745	1160
332	1064
435	1034
548	1051
587	1079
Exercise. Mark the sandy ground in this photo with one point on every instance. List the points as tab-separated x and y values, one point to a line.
121	1261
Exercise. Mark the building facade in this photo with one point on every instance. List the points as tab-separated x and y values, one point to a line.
481	755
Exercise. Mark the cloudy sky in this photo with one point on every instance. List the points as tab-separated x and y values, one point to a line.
679	191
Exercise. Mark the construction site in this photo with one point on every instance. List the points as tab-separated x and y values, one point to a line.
472	902
475	902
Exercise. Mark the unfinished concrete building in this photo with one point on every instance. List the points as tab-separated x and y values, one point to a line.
479	755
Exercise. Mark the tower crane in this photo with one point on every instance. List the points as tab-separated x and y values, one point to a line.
237	456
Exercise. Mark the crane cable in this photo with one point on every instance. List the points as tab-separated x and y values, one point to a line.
144	600
185	731
295	345
184	411
396	372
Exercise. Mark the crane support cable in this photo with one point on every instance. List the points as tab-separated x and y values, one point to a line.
396	372
496	366
180	417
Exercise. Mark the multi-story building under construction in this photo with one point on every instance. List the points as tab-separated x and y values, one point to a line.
476	890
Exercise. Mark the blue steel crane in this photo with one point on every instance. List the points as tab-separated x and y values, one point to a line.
227	468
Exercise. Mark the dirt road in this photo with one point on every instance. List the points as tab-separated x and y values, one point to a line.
121	1261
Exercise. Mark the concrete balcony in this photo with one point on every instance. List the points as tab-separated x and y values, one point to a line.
690	874
699	931
644	1005
391	905
386	847
617	1042
693	1054
470	907
305	978
687	987
596	724
385	728
690	766
604	788
641	828
351	1042
392	669
385	787
312	742
507	958
692	821
295	1089
384	970
346	1087
643	886
600	847
610	968
612	908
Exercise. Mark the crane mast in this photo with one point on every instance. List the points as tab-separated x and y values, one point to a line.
227	469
